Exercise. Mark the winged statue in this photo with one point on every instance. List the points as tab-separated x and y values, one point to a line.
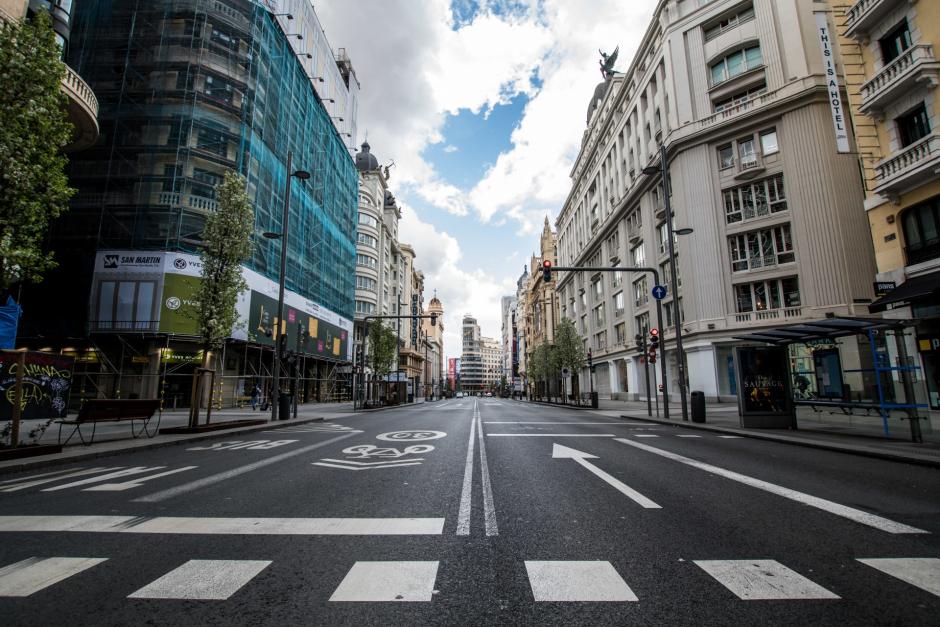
607	62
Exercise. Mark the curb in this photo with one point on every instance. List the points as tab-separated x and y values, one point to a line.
31	463
547	404
908	458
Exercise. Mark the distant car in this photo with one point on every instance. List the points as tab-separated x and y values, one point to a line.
489	394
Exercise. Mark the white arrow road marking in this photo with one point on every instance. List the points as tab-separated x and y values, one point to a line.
563	452
136	470
851	513
134	483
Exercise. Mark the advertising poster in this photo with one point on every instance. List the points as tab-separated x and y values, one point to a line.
323	338
764	385
46	383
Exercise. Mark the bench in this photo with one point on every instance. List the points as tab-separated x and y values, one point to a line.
97	410
847	407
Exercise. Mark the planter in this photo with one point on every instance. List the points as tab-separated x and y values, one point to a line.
29	451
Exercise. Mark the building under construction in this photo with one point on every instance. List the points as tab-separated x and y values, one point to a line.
188	90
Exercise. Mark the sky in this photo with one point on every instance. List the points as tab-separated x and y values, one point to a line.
481	105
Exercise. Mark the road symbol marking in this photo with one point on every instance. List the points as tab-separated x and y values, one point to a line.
577	581
34	574
410	436
343	464
763	580
850	513
137	470
388	581
364	451
250	445
134	483
923	572
563	452
313	428
22	484
212	580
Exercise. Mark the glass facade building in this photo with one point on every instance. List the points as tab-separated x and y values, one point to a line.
188	90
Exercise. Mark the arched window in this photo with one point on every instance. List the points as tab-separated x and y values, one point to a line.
921	226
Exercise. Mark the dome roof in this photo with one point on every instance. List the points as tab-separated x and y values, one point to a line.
599	92
365	160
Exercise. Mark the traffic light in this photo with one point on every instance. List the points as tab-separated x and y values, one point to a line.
640	340
590	358
547	270
654	338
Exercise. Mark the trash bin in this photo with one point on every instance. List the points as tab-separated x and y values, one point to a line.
594	403
283	405
698	406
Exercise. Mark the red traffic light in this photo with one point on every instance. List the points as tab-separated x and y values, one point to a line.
547	263
654	331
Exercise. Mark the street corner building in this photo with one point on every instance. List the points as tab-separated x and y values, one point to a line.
763	166
187	91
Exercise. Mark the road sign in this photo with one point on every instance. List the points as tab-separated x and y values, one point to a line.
659	292
566	372
563	452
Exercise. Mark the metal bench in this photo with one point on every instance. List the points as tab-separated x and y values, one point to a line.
98	410
847	407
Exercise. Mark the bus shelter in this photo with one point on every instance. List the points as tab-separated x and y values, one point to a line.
848	366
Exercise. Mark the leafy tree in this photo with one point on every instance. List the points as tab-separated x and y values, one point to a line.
569	349
382	341
34	127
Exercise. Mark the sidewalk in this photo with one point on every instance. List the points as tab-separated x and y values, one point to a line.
115	439
811	431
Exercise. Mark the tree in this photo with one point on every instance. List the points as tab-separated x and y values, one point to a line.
569	348
226	244
34	127
382	341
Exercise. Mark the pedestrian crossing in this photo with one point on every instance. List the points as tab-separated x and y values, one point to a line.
315	427
95	479
557	581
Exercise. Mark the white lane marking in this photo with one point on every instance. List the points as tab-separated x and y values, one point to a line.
466	494
235	445
687	436
577	581
203	580
45	474
645	435
235	472
372	465
388	581
549	422
489	510
137	470
730	437
227	526
850	513
32	481
34	574
763	580
135	483
923	572
551	435
563	452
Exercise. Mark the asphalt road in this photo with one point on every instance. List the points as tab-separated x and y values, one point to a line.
473	512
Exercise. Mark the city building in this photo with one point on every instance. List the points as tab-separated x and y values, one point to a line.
491	356
411	349
82	103
453	373
539	304
508	337
891	79
738	92
471	360
187	92
519	325
434	349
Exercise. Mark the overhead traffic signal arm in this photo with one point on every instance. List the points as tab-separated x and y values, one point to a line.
547	270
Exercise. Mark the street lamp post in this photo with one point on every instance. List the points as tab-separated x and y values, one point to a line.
663	170
280	327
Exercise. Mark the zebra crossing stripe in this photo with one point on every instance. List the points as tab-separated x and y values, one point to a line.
388	581
204	580
30	482
111	475
34	574
923	572
763	580
577	581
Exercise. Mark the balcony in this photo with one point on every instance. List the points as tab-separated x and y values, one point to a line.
908	168
916	66
865	15
788	313
82	110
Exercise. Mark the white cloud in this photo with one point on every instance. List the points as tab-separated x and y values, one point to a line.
449	148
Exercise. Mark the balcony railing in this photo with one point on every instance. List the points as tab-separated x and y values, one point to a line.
916	65
862	16
786	313
913	164
124	326
83	110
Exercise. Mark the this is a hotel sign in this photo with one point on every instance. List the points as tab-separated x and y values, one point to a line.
839	121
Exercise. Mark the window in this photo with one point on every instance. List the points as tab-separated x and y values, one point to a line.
770	294
896	41
639	256
747	153
613	245
204	183
736	63
597	287
616	279
620	334
761	249
913	125
218	89
212	140
755	200
365	261
725	157
640	292
363	307
741	97
583	325
662	231
583	301
618	304
173	180
366	283
599	317
768	142
125	305
729	22
921	226
665	272
600	341
367	220
367	240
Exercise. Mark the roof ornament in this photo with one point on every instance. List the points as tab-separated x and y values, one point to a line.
607	63
391	164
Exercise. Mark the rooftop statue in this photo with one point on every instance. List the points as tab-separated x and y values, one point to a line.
607	62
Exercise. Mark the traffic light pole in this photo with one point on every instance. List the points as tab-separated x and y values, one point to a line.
365	337
547	269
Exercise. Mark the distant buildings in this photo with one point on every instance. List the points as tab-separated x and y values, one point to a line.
471	361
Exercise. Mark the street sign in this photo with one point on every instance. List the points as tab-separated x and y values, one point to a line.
659	292
566	372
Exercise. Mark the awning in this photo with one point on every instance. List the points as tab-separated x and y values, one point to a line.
826	328
912	289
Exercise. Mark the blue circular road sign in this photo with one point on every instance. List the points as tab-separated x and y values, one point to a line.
659	292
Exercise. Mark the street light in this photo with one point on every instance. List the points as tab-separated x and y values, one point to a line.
663	171
302	175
